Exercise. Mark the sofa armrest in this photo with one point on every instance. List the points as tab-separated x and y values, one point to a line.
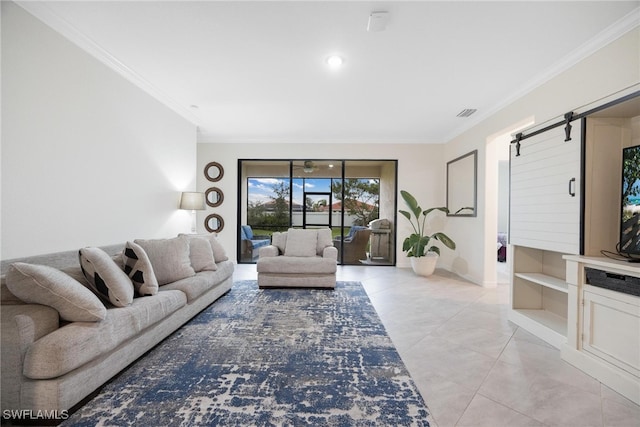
330	252
21	326
268	251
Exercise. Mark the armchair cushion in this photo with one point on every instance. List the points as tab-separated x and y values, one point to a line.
296	265
247	232
301	243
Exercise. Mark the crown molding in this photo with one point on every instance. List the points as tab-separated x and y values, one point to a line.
41	11
616	30
209	138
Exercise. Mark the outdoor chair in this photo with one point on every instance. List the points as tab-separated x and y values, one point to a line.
353	247
251	243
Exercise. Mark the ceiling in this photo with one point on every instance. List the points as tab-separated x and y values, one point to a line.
256	71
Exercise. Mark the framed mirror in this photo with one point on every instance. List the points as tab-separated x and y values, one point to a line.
462	185
214	223
214	197
213	171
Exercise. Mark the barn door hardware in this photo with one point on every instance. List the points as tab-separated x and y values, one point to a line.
518	138
567	129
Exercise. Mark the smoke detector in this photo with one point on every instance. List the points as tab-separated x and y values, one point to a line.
378	21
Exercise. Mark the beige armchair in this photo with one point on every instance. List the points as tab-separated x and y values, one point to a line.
298	258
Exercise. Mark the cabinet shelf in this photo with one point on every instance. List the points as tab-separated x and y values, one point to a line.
545	280
539	293
544	324
551	320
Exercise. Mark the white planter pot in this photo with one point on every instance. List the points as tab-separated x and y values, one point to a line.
424	265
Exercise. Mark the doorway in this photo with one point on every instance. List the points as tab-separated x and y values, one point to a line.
316	211
497	262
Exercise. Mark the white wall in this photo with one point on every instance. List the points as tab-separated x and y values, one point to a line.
611	69
421	171
87	157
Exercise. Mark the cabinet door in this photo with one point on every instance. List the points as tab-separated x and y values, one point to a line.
611	329
545	192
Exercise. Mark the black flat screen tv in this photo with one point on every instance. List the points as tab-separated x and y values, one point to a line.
630	212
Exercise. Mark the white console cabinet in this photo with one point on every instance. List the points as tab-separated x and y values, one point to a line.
603	336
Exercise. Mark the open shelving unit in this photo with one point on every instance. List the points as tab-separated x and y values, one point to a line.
539	293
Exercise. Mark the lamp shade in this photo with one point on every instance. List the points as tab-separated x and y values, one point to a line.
192	201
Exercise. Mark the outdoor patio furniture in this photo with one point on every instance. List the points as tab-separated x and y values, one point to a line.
353	247
251	243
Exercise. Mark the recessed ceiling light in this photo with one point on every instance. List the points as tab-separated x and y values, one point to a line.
335	61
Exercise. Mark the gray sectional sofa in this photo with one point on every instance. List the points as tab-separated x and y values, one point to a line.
51	363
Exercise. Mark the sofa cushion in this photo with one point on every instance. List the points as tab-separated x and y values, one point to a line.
279	240
105	277
169	258
301	243
219	254
197	285
139	269
201	255
297	265
41	284
80	342
324	239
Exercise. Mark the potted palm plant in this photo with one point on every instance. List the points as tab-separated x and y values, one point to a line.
418	245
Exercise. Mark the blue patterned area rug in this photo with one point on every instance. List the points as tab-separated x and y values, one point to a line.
274	357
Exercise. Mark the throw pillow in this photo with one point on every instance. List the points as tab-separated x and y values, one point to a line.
301	242
324	239
279	240
105	278
169	258
201	255
41	284
139	269
219	254
218	250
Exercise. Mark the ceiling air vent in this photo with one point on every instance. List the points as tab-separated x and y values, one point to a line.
466	112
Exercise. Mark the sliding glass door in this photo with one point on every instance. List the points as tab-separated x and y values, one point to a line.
354	198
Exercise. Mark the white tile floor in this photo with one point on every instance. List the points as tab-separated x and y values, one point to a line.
472	366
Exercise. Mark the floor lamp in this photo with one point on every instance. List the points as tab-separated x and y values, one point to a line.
194	202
